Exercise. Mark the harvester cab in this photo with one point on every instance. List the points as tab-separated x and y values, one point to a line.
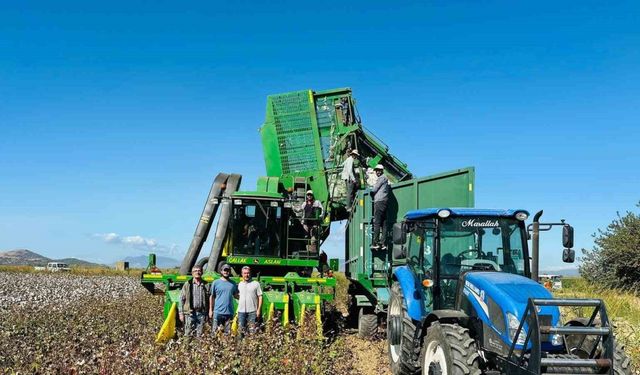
464	300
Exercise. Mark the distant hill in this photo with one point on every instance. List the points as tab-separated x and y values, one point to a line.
24	257
562	272
141	261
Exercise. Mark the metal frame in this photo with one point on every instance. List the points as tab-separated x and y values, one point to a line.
534	363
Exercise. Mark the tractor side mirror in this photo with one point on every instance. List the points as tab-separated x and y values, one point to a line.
568	255
399	234
567	236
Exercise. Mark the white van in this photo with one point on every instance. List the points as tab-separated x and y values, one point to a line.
57	267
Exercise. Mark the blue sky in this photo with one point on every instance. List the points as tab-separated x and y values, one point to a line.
116	116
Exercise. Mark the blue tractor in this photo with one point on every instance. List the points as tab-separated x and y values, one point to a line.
463	301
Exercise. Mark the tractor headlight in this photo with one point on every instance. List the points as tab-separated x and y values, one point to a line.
556	340
514	323
522	216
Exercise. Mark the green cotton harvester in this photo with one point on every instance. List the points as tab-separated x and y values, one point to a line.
306	137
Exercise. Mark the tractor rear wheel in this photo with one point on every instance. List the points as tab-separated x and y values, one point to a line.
448	349
367	324
401	329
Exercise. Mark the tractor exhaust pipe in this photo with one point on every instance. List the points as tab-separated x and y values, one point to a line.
535	246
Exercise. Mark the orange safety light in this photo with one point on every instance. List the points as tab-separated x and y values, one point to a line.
427	283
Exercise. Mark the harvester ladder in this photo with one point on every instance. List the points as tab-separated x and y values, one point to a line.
535	362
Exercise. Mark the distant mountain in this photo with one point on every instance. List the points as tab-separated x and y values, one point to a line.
141	261
562	272
24	257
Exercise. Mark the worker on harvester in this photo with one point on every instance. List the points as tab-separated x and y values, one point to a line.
312	211
350	176
380	191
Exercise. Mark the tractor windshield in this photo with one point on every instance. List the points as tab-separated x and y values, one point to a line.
257	228
477	243
482	243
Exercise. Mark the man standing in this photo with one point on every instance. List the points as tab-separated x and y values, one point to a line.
350	177
223	291
312	212
249	303
380	193
194	300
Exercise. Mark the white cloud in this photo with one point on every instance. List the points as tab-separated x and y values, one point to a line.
136	242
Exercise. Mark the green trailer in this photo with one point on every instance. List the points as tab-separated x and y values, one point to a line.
369	270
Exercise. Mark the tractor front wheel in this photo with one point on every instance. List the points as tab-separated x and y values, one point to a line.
448	349
401	329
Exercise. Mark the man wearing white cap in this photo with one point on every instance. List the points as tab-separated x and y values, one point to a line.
380	192
350	178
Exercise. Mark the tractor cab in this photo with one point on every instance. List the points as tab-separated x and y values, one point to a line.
442	244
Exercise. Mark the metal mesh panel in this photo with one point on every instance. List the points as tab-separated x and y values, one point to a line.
294	128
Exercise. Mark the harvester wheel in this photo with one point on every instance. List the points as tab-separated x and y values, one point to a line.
448	349
367	324
403	354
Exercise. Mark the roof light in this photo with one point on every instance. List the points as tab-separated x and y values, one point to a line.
274	204
237	202
522	216
444	213
287	204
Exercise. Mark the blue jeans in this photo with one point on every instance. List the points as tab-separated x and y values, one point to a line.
221	322
247	320
194	321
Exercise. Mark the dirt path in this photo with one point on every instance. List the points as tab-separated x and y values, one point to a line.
371	357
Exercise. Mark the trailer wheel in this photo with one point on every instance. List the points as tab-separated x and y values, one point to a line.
403	354
448	349
367	324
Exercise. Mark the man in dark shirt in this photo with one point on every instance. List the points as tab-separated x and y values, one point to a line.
194	303
380	191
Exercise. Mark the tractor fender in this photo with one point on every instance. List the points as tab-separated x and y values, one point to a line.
446	316
412	295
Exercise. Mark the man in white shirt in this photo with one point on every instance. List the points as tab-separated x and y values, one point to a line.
350	177
249	302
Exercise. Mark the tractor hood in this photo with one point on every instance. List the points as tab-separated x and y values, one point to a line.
494	294
510	292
